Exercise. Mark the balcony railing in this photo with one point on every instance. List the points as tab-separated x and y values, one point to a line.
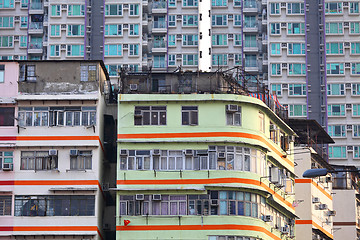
159	5
159	25
36	25
36	6
159	44
250	4
35	45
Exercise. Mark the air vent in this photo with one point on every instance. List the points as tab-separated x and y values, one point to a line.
139	197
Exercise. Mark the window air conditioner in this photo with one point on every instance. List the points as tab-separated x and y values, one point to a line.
138	113
322	206
332	213
232	108
268	218
74	152
284	230
214	202
221	155
53	152
139	197
156	152
7	167
133	87
189	152
156	197
315	200
123	152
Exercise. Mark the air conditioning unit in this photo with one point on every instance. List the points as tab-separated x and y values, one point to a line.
123	152
230	36
316	200
272	127
7	167
156	197
63	46
348	85
156	152
346	24
283	4
106	226
53	152
283	24
284	65
126	6
189	152
331	213
231	56
63	26
74	152
214	202
268	218
275	175
125	46
64	6
179	36
179	17
322	206
350	148
349	127
284	230
133	87
348	106
139	197
221	155
232	108
138	113
125	26
105	186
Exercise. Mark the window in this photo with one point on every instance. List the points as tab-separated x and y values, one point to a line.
24	3
355	89
337	152
55	205
232	238
113	69
274	28
55	116
261	122
55	30
23	22
233	116
113	10
355	48
297	110
54	50
356	131
219	40
274	8
134	30
6	22
336	110
190	3
38	160
150	115
276	89
75	30
251	41
27	73
172	3
297	89
189	115
219	59
190	20
354	27
219	3
296	48
238	59
335	68
190	40
6	41
190	59
159	22
172	20
295	8
113	30
335	48
334	28
237	39
237	3
159	61
133	49
6	157
81	161
75	50
275	48
55	10
171	59
276	69
297	69
356	151
296	28
113	50
134	10
355	68
219	20
356	109
335	89
76	10
5	204
237	20
337	130
250	21
88	73
354	7
250	60
171	40
333	7
2	73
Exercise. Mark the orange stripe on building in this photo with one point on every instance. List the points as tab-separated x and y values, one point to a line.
316	185
204	181
55	228
196	227
55	138
204	134
311	222
49	182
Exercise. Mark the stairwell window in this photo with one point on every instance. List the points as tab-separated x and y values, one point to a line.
189	115
81	161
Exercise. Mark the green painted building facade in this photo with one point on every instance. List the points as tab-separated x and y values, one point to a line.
203	166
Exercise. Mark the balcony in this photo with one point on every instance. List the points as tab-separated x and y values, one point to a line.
36	8
250	6
159	27
159	7
35	47
159	46
250	27
36	28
